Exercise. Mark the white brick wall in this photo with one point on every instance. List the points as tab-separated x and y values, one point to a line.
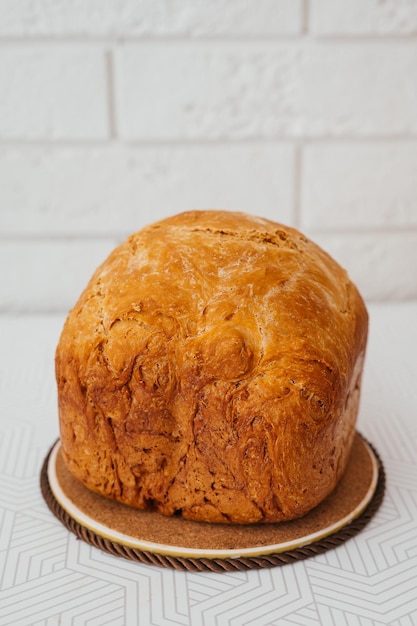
113	190
363	17
114	114
153	18
274	90
52	92
357	185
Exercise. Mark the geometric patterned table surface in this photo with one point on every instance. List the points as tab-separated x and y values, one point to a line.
48	577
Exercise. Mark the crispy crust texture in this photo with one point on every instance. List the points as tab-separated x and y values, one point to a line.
211	369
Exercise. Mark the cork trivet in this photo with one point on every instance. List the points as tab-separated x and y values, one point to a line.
151	538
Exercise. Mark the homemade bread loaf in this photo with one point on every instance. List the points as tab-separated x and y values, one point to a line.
211	369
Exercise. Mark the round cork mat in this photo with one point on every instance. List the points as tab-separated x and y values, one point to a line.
151	538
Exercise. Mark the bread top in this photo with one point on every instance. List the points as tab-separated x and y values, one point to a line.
219	349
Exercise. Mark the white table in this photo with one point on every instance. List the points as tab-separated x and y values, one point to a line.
49	577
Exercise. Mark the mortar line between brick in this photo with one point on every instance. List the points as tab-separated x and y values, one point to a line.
188	143
268	39
355	38
138	143
24	238
182	39
278	139
305	17
298	156
111	96
349	231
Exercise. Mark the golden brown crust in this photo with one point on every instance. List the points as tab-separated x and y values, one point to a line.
211	368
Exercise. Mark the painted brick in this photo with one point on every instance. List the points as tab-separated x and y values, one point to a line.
383	265
261	90
133	18
52	92
356	89
355	185
103	191
363	17
47	275
174	91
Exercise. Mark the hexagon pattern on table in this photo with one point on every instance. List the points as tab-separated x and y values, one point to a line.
49	577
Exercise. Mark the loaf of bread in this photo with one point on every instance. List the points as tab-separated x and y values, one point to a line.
211	369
